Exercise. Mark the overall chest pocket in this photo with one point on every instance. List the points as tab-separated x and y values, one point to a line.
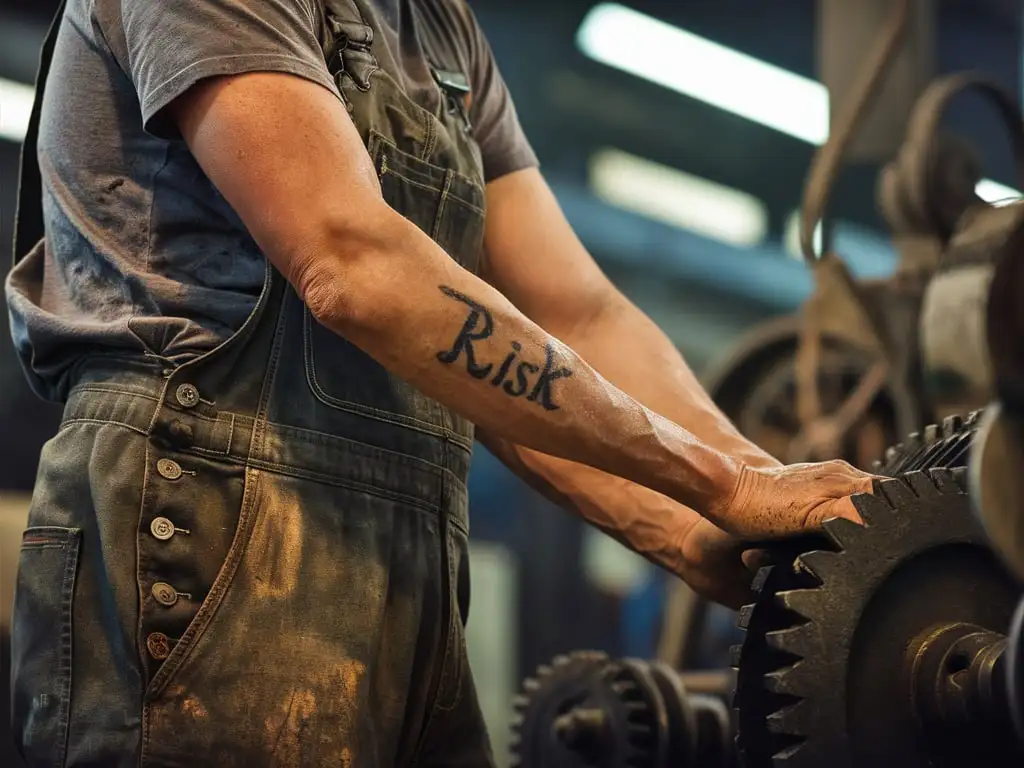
444	204
449	208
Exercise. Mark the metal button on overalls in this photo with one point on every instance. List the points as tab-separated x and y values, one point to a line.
158	645
162	528
164	594
187	395
168	469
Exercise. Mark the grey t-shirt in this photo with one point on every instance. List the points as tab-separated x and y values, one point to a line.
142	253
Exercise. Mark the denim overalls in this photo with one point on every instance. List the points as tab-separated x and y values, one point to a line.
258	558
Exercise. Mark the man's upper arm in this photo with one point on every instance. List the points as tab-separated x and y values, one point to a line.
286	156
171	45
247	87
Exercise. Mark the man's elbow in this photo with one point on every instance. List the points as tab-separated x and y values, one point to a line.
341	275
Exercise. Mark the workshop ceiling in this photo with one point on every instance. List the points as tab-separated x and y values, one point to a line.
575	107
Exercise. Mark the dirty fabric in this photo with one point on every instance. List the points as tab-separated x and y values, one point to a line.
258	556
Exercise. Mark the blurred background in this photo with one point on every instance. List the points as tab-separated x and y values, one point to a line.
677	136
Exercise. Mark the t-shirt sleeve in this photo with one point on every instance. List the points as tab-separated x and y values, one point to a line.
173	44
496	127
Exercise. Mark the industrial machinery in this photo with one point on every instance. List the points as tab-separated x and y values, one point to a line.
867	361
898	643
883	645
587	710
892	644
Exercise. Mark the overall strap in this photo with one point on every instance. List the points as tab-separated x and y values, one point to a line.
28	220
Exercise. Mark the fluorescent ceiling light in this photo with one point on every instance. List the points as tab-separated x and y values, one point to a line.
679	199
725	78
994	192
694	66
15	107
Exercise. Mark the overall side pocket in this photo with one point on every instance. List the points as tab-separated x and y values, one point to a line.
41	634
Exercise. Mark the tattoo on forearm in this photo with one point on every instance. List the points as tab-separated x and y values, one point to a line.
513	375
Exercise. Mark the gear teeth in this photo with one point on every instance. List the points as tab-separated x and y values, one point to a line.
735	656
951	482
745	615
893	453
803	602
951	425
803	640
943	481
761	578
789	756
818	563
921	483
897	493
943	445
553	684
789	680
870	507
794	720
840	530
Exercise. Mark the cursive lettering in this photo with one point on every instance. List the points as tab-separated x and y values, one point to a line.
514	375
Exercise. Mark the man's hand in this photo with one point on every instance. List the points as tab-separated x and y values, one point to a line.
776	501
712	565
677	538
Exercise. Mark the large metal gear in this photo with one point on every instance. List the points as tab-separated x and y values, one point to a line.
838	667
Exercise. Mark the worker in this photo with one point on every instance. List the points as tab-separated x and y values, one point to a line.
297	255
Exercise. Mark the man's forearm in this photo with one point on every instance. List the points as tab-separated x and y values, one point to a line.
458	340
643	520
629	350
666	533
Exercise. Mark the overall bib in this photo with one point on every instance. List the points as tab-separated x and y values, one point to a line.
258	558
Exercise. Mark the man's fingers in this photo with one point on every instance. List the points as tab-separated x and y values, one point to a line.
868	484
756	559
844	508
849	485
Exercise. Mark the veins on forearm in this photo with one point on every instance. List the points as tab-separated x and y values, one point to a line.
515	375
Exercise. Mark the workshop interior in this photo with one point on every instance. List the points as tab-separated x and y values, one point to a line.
819	202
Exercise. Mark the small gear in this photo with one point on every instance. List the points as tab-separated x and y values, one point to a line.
587	711
821	671
551	692
584	711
